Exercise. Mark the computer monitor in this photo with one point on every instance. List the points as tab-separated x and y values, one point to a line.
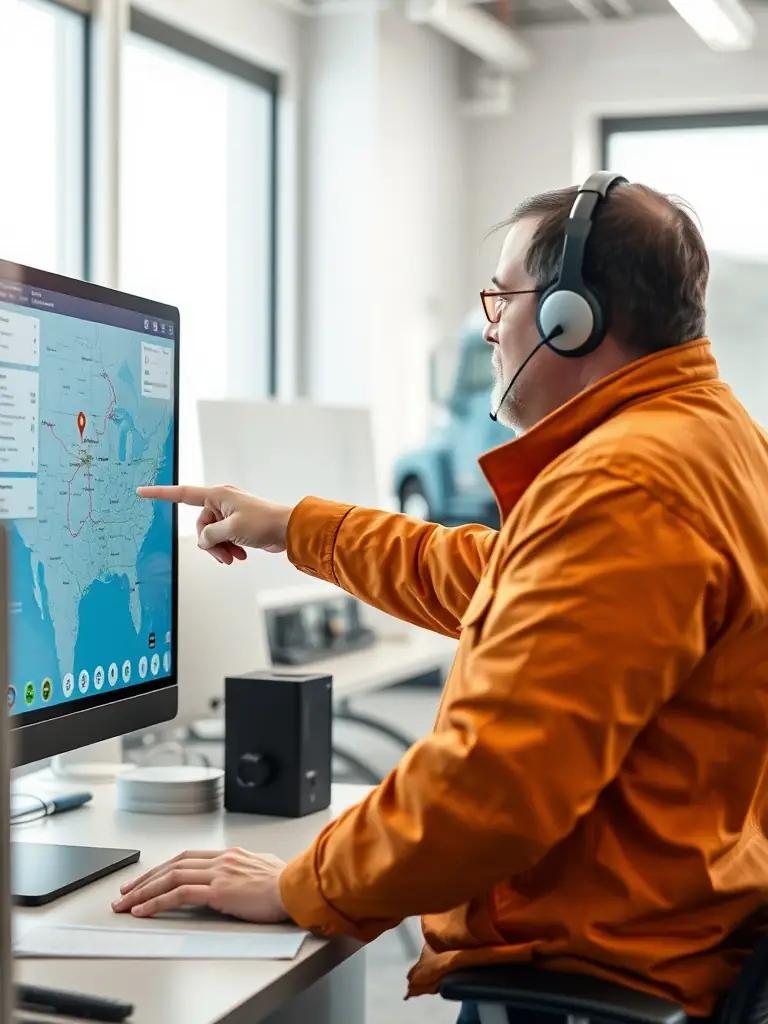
88	413
6	963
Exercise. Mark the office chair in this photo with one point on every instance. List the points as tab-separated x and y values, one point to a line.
580	999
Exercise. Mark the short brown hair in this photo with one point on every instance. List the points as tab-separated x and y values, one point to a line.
645	256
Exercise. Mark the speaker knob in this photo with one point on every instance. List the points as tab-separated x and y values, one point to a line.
253	770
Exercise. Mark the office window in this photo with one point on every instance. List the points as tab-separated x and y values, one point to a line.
42	158
717	164
197	211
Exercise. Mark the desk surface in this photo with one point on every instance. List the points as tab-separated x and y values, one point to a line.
390	660
193	991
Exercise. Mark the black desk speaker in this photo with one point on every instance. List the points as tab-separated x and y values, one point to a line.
278	743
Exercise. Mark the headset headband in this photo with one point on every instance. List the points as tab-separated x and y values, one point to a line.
579	226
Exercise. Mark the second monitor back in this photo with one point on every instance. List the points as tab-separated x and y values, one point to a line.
285	451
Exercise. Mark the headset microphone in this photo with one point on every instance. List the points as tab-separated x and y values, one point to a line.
554	333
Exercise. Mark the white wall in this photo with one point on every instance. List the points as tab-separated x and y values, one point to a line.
384	195
648	65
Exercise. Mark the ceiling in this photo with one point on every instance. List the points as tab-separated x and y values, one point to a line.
526	13
523	13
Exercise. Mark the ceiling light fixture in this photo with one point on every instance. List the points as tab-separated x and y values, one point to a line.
722	24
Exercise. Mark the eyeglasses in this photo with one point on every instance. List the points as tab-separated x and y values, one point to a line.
494	302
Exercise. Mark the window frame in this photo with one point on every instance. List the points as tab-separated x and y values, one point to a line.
609	126
84	7
174	38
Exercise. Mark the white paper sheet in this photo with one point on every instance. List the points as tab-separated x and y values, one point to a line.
83	942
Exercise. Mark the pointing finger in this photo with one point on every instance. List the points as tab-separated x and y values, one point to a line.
179	495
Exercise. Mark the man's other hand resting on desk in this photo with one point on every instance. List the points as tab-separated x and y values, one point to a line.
233	882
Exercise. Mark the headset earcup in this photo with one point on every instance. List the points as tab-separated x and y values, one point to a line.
578	314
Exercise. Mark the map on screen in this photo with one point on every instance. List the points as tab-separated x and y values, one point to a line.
86	417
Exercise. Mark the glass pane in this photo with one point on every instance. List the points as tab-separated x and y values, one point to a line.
698	165
195	218
42	61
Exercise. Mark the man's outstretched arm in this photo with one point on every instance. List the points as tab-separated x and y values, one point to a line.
420	572
592	624
416	571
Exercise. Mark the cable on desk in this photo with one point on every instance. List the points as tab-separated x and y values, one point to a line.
28	814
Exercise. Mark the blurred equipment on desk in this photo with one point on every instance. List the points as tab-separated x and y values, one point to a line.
301	632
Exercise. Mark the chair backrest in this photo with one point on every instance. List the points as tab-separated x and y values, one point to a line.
6	964
747	1002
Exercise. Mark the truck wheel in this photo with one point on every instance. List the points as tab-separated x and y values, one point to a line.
414	502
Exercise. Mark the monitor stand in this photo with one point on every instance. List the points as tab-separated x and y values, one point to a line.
42	872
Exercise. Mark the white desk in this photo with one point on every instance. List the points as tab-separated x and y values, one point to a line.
389	661
325	984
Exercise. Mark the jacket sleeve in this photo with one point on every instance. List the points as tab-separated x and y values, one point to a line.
596	618
420	572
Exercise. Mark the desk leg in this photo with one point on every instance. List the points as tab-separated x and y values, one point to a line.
338	998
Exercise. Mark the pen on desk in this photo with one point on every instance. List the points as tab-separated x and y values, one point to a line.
65	803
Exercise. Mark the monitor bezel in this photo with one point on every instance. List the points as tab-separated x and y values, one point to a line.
69	726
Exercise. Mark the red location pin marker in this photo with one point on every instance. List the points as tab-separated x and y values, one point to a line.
81	423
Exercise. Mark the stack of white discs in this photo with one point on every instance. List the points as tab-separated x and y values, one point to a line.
177	789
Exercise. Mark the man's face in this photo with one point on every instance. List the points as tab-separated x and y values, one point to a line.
541	387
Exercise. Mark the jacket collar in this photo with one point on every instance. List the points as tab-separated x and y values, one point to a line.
511	468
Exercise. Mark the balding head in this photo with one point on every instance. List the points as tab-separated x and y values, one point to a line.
645	257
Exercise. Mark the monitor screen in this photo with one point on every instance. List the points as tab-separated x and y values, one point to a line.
87	414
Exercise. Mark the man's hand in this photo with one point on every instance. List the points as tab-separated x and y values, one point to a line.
231	520
232	882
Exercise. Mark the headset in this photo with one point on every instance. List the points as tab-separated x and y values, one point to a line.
572	317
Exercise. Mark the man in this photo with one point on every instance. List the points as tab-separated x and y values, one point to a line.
594	794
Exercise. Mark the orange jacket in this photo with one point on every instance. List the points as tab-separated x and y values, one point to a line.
594	794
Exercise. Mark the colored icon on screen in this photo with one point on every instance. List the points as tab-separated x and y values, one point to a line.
11	697
29	693
167	661
81	423
98	677
112	674
126	671
155	664
142	667
47	689
83	681
68	685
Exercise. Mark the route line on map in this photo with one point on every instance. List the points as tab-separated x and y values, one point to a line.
85	462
